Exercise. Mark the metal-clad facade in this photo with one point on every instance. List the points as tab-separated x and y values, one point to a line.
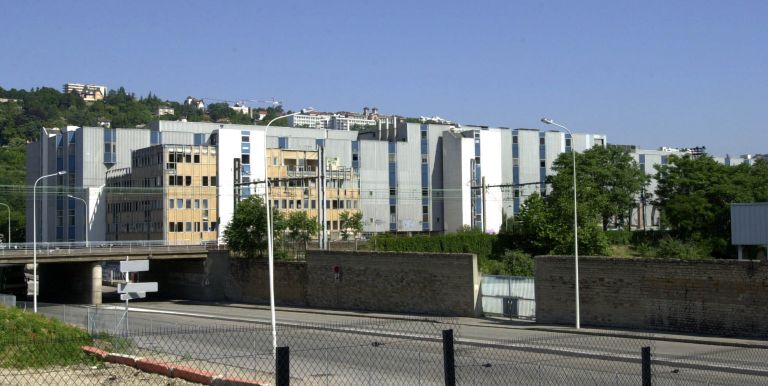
749	224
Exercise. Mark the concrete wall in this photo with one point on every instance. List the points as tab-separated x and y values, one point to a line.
723	297
441	284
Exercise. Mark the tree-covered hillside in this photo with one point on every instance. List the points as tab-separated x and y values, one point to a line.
24	112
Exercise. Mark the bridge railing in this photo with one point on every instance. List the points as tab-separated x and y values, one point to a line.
73	247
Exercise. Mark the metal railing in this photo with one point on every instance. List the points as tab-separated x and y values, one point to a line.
24	249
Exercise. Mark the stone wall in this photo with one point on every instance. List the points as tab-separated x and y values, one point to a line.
723	297
424	283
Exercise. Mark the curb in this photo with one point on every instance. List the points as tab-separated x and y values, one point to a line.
169	370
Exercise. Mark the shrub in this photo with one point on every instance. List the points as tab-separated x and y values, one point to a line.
677	249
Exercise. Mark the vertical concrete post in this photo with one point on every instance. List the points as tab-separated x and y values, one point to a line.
95	283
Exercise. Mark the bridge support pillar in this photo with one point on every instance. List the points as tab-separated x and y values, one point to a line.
77	283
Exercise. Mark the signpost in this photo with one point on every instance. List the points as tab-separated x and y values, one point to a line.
130	291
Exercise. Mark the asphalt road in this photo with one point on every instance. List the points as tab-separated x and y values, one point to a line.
331	347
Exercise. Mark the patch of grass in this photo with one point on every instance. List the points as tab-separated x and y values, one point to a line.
35	341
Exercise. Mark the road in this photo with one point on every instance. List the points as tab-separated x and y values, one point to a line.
332	347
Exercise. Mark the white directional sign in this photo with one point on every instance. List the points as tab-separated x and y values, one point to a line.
133	295
136	287
134	266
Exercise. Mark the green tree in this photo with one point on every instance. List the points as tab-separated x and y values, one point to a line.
694	196
301	229
533	228
351	224
246	233
609	180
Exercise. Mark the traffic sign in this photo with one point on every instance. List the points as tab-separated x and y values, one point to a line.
133	295
134	266
137	287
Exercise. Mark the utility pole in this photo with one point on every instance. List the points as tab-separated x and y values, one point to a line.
482	192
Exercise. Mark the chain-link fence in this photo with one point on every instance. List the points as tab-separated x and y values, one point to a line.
150	349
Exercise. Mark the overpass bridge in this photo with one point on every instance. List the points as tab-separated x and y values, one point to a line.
99	251
72	272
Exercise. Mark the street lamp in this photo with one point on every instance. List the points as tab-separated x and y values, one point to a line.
34	234
549	121
85	219
9	223
270	247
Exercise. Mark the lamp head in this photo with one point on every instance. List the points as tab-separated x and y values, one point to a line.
62	172
307	110
547	120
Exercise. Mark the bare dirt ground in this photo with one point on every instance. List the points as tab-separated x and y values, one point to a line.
103	374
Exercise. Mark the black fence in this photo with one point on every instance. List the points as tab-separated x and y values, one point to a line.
369	352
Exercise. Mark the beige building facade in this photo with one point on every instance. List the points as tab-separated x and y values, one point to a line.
169	193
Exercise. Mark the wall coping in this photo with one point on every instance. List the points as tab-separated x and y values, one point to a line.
651	260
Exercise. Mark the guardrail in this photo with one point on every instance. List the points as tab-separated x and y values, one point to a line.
24	249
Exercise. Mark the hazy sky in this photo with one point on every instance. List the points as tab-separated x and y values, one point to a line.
649	73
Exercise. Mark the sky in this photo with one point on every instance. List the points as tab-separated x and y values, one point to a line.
648	73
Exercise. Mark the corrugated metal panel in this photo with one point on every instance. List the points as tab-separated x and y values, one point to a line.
749	224
514	290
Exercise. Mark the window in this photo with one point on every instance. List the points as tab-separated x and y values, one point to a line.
171	180
567	142
514	139
205	180
213	180
179	226
197	158
197	204
541	141
179	203
189	204
197	226
245	158
543	163
188	226
171	228
314	204
205	226
179	180
188	180
170	203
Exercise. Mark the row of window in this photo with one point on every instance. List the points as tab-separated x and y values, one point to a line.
192	226
143	227
187	181
134	206
179	203
312	204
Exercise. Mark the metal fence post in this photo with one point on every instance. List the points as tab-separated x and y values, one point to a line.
645	353
282	367
449	363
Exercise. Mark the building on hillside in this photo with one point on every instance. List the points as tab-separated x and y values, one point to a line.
312	120
164	110
191	101
169	193
89	92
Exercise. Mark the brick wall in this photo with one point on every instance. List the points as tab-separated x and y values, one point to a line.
425	283
723	297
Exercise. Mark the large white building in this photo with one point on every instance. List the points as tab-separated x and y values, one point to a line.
493	171
413	177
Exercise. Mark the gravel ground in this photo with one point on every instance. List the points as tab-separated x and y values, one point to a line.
105	374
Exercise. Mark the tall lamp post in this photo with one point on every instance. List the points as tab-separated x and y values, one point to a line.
270	246
9	222
85	219
549	121
34	234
